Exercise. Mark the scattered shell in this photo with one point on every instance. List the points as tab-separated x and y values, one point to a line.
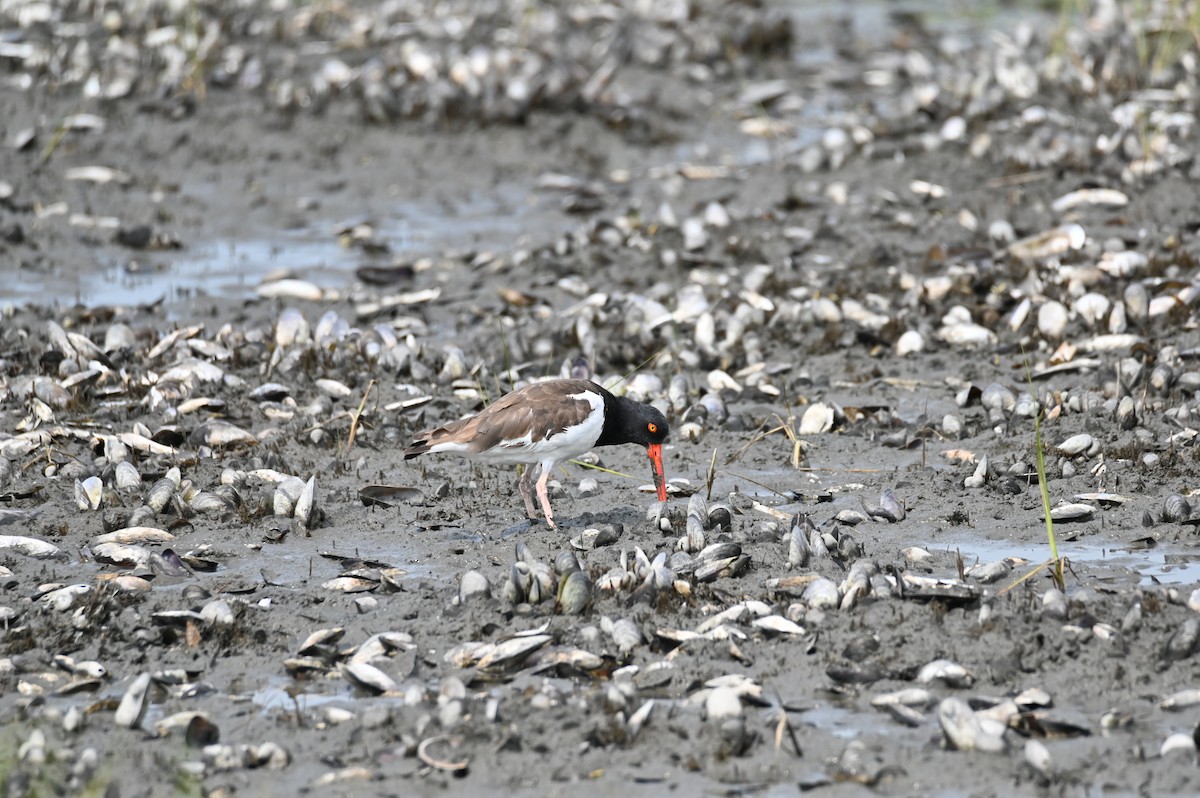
30	547
473	586
910	343
1037	756
1069	512
305	511
504	655
777	625
1055	241
574	593
367	677
1110	197
947	671
134	703
1052	318
722	703
1176	509
817	418
965	731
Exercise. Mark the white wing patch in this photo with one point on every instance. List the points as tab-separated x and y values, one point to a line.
524	440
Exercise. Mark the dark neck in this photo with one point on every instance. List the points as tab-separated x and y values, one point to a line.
616	420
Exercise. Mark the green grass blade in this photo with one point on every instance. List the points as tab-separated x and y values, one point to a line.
1040	449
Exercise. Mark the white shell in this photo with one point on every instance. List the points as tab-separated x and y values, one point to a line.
967	334
368	677
1077	444
1052	319
1090	196
909	343
133	704
946	671
1001	231
1049	243
1037	756
306	504
126	476
30	547
964	730
722	703
1072	512
289	288
1178	742
694	235
777	624
817	418
89	493
1092	307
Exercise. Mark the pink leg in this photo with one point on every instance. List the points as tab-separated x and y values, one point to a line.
525	484
544	496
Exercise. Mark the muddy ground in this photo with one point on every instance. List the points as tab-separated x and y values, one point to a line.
508	289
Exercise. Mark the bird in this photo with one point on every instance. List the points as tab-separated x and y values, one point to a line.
545	423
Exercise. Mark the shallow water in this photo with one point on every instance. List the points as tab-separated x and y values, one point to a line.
233	267
1167	563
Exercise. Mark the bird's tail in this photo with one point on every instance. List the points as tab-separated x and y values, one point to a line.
418	447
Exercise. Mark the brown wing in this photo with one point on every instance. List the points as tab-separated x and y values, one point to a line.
539	410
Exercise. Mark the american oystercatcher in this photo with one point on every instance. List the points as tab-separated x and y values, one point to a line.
546	423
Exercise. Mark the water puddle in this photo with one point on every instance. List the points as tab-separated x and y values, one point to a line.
223	268
281	696
1165	563
847	724
234	267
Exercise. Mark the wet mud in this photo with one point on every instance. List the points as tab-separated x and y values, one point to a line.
850	258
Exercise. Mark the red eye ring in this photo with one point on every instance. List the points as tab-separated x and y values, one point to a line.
652	428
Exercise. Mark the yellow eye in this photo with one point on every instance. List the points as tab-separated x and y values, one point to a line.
652	428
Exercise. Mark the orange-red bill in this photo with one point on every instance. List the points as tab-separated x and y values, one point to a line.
660	481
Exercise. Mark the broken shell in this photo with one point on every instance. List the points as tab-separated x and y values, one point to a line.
890	508
1037	756
427	752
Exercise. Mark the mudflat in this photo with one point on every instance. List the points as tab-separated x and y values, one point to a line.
251	252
